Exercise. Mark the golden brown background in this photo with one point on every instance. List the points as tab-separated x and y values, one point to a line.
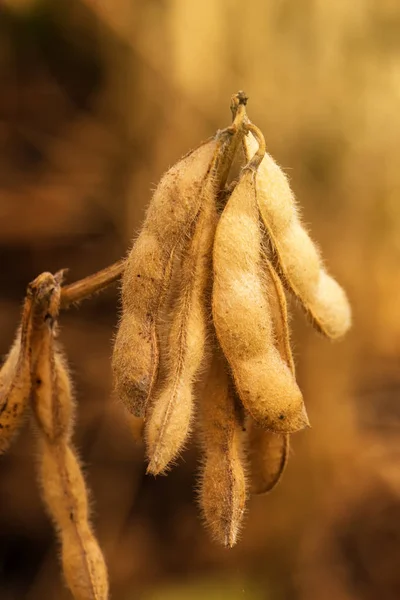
97	99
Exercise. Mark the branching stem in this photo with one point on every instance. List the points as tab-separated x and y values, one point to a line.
75	292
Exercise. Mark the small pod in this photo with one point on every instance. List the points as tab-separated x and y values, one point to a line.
242	314
297	256
268	451
223	489
170	217
170	412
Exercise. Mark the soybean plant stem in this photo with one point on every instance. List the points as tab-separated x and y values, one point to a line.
75	292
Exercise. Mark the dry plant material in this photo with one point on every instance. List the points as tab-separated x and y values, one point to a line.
204	278
173	210
170	411
35	369
169	416
65	495
14	388
15	374
297	256
195	213
268	451
242	313
63	486
223	492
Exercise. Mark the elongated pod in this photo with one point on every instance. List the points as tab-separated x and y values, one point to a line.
65	495
170	412
15	385
52	397
297	256
171	214
223	489
268	451
242	314
63	486
15	374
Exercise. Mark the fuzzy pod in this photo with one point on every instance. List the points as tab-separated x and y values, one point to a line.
52	400
172	212
243	318
65	495
63	486
223	485
15	386
51	395
269	451
170	412
90	582
297	256
40	306
268	455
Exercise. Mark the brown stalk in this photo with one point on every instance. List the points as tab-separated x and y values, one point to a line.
84	288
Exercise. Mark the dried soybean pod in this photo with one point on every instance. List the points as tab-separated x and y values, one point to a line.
223	489
63	486
268	454
268	451
15	385
169	416
297	256
172	210
52	397
242	314
65	495
15	374
171	214
277	300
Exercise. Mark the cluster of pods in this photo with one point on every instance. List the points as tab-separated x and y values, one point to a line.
203	340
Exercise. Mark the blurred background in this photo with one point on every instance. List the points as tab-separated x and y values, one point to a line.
97	99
